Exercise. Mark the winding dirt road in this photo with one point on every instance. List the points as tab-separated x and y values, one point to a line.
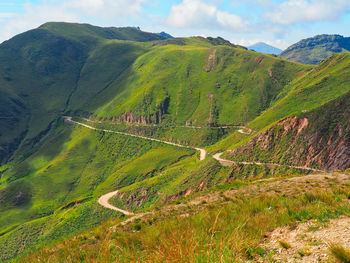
103	200
225	162
203	153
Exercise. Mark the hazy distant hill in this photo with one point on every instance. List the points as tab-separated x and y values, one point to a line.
265	48
165	35
315	49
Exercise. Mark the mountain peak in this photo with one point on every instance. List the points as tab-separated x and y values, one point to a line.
265	48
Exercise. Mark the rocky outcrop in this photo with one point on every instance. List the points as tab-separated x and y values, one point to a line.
155	116
135	199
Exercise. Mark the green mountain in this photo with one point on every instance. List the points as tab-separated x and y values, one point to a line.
44	67
314	50
123	87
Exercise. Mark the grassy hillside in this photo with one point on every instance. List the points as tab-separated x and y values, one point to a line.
199	85
320	97
228	225
318	138
88	33
184	90
314	50
54	191
44	67
74	166
322	84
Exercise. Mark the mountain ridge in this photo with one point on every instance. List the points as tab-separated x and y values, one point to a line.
315	49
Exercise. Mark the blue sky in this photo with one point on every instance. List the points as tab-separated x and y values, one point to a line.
277	22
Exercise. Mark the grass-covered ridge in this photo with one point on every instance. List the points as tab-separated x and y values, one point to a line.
315	49
200	85
322	84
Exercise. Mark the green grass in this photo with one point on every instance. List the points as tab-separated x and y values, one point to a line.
86	165
56	68
171	84
184	135
321	85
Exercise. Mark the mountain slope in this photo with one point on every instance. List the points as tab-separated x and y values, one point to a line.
324	83
319	138
309	126
192	91
265	48
177	83
44	67
314	50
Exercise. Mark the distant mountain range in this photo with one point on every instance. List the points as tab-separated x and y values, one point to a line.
265	48
315	49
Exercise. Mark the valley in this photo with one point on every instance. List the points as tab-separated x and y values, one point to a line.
103	200
116	144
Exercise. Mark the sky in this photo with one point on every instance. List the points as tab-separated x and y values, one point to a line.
245	22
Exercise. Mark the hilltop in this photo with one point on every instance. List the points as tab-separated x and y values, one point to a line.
315	49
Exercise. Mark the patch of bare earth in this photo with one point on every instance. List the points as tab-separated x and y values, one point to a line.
309	242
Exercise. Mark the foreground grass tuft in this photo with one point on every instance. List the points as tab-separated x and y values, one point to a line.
284	244
340	253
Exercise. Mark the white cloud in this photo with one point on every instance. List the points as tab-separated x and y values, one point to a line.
198	14
109	8
33	17
6	15
295	11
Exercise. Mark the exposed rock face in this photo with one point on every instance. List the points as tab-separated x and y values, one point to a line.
211	61
319	139
154	116
130	117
